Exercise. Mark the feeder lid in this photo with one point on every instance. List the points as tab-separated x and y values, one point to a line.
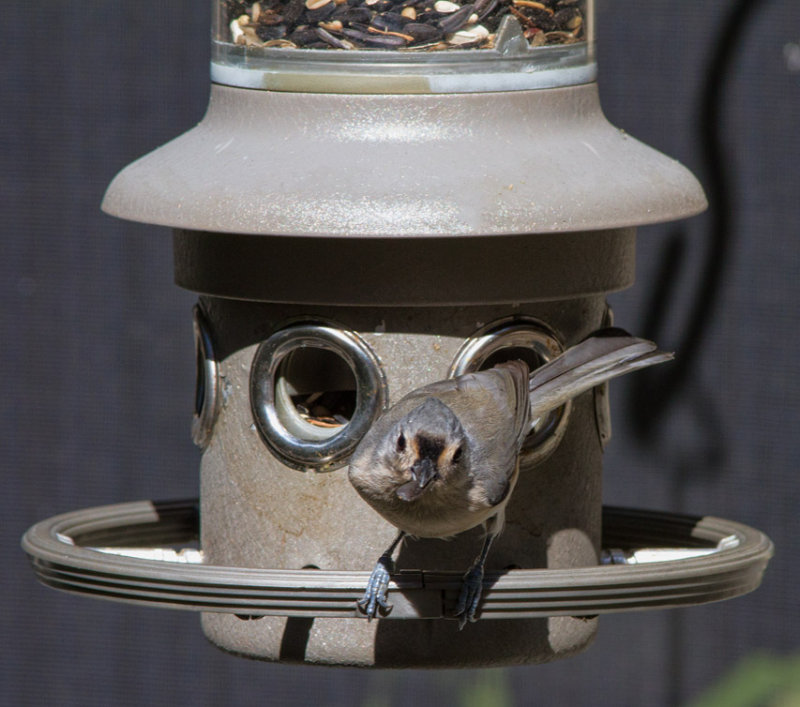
465	164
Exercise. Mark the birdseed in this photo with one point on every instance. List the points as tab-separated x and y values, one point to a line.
422	25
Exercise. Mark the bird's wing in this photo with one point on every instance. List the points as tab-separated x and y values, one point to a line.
606	354
518	375
494	408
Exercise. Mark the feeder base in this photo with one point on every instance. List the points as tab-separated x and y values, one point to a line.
400	644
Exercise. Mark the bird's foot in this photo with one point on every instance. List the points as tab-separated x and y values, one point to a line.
377	589
470	596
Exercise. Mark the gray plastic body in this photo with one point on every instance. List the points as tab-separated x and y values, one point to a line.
258	512
413	221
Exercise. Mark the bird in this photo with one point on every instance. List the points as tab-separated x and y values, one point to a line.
445	458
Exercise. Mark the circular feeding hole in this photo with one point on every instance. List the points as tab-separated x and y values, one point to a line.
315	393
513	353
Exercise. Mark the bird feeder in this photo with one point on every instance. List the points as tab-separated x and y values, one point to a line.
383	194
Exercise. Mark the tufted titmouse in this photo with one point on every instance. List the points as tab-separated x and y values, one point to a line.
444	458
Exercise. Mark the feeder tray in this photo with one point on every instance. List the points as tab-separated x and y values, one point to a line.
139	553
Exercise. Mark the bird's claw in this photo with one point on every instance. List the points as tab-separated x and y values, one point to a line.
377	589
468	600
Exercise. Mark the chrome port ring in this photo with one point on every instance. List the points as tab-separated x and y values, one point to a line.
206	401
296	442
518	335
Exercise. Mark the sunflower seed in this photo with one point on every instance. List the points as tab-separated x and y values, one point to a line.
385	41
320	14
468	36
335	26
268	32
445	6
390	21
454	22
292	10
422	32
328	38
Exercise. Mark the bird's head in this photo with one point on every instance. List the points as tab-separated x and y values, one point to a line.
427	445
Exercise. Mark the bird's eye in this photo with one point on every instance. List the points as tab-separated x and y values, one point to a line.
401	443
457	455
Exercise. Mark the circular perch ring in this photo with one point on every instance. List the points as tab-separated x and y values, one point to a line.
109	552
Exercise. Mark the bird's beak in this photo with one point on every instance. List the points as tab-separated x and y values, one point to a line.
424	471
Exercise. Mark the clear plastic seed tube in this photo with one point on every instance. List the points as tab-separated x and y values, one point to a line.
293	44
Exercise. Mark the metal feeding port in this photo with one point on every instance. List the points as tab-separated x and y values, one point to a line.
315	390
400	343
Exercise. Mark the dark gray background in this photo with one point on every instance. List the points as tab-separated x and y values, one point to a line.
99	357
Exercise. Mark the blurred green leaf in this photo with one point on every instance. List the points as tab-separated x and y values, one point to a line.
488	688
759	680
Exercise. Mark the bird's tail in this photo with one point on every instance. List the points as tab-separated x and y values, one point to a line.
604	355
